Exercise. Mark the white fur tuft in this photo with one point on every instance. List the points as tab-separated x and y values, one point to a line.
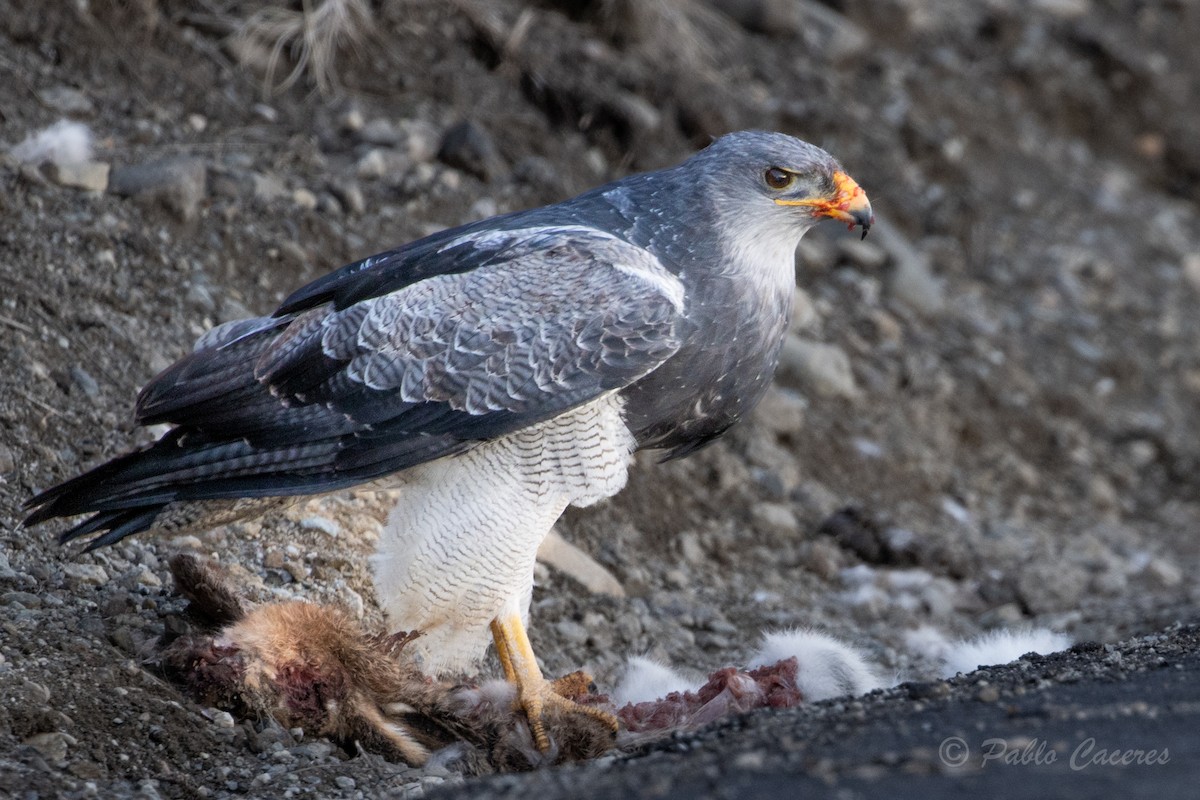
64	142
929	644
1000	647
827	667
646	679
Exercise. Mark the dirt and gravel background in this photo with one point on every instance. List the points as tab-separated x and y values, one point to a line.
986	416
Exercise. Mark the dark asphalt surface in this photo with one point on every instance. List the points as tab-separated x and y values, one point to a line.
1095	721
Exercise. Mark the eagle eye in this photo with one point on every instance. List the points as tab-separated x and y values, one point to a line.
778	178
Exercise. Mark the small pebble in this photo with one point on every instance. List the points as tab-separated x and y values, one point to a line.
222	719
322	524
821	368
304	198
53	746
85	381
178	184
93	574
67	100
90	176
469	147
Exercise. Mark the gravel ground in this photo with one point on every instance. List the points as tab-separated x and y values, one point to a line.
986	415
1095	721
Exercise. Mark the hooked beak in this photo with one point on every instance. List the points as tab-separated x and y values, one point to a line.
849	204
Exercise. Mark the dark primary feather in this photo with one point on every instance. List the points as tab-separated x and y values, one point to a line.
325	398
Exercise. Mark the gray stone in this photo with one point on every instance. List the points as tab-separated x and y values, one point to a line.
381	132
1191	270
823	369
1164	573
774	519
469	147
27	599
861	253
421	141
804	311
1064	9
145	579
222	719
570	560
6	571
912	281
638	112
323	524
67	100
177	184
52	746
382	162
352	601
93	574
304	198
229	309
571	631
268	187
316	749
200	294
781	411
816	252
352	120
691	549
350	195
91	176
86	383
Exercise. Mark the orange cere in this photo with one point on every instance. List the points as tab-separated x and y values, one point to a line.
848	204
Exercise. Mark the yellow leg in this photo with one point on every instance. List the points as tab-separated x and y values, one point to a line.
534	692
504	653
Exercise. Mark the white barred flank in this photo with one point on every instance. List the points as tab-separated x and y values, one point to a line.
460	544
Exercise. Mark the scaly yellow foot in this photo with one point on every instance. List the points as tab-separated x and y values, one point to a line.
534	692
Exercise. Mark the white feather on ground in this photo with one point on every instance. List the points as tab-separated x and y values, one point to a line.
1000	647
64	142
828	667
930	646
646	680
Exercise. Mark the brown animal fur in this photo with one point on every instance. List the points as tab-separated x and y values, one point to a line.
314	667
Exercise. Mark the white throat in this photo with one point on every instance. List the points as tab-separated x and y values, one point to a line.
762	252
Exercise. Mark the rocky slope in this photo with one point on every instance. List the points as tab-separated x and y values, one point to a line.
986	415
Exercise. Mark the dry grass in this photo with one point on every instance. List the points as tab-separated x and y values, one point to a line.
310	37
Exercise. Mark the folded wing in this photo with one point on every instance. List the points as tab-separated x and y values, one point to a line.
527	324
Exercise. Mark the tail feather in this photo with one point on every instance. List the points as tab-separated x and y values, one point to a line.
177	517
187	466
116	524
189	481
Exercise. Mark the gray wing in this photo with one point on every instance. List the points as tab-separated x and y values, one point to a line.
551	319
518	327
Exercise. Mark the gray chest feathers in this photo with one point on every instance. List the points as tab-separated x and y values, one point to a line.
721	372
